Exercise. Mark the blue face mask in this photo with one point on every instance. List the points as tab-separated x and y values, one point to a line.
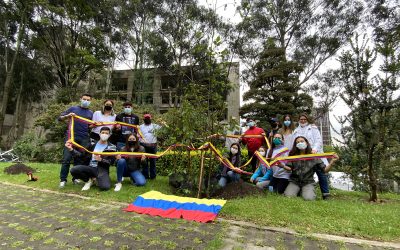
287	123
277	141
85	103
128	111
251	124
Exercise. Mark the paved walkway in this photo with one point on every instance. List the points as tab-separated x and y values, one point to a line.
34	219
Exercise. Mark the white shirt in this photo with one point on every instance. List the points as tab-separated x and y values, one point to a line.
311	132
99	117
279	172
148	132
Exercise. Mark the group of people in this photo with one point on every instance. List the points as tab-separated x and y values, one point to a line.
100	138
290	178
103	135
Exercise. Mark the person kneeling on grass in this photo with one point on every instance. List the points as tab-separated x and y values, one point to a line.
302	177
130	166
262	176
97	167
226	174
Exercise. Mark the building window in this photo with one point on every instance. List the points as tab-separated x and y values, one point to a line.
119	84
165	98
168	82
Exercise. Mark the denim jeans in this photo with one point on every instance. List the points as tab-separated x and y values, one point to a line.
120	145
67	157
323	182
151	161
231	176
123	171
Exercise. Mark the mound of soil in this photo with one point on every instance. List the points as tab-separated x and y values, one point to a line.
237	190
18	168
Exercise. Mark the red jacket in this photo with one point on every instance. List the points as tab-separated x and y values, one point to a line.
253	144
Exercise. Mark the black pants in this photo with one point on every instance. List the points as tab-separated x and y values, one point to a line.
102	175
67	156
253	162
279	184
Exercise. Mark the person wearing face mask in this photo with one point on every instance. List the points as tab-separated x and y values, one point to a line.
149	143
105	115
130	166
280	175
94	166
287	131
227	175
262	176
122	132
313	135
302	177
81	134
253	143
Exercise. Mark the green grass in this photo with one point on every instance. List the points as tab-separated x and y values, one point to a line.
346	214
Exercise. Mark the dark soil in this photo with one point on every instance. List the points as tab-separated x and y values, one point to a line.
237	190
18	168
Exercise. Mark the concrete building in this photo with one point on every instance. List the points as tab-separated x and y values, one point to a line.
159	89
324	126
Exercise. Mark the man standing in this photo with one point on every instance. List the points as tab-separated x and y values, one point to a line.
150	145
253	143
121	132
81	133
94	166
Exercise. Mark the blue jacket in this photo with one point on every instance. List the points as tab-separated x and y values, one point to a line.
263	171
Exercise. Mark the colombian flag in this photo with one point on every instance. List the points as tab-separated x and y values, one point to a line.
170	206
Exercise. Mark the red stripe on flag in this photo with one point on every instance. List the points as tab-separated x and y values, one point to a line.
173	213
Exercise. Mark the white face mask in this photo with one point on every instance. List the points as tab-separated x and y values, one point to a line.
301	145
262	153
234	151
303	124
104	137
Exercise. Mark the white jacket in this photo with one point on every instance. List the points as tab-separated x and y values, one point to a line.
312	134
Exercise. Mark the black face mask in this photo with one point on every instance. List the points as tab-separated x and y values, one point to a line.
131	143
147	121
108	108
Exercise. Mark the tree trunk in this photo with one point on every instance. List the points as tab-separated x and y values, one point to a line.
201	174
12	135
372	176
7	83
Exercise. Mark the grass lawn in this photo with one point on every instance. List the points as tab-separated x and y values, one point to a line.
346	214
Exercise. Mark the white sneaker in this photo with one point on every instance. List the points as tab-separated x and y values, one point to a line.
62	184
122	180
118	187
87	185
76	181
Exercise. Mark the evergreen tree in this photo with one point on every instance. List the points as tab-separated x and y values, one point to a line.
275	87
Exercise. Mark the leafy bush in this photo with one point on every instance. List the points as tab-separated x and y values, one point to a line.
29	146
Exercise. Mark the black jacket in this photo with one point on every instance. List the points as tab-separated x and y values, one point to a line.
84	158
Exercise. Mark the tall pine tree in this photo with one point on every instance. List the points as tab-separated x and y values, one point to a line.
275	88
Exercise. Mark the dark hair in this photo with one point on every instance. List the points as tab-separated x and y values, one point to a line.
137	145
291	127
296	151
127	103
86	95
265	149
105	129
112	102
273	146
238	155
